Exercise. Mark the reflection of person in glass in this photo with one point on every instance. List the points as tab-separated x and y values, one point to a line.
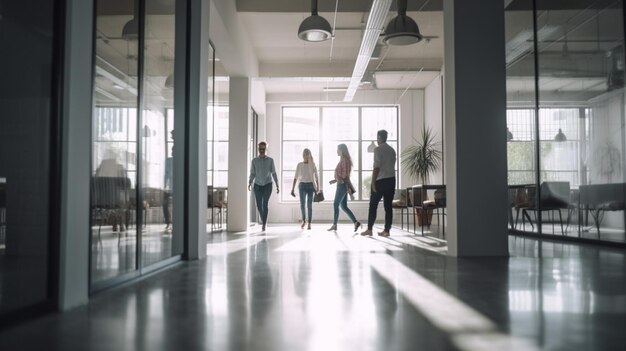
383	183
342	178
262	171
167	191
111	168
306	171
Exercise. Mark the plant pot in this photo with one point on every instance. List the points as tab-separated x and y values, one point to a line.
423	216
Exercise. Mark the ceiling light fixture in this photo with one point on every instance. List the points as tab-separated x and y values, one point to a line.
371	147
375	23
509	135
169	81
315	27
402	29
131	28
560	136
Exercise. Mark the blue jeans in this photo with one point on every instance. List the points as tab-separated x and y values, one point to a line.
262	195
306	193
341	199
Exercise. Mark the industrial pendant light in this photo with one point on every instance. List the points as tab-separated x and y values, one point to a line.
131	28
371	147
314	27
560	136
169	81
402	29
509	135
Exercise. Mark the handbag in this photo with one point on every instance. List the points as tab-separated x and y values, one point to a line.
319	197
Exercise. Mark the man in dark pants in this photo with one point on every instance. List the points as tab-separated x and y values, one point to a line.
383	183
262	171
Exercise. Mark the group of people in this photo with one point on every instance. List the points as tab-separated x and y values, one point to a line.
262	171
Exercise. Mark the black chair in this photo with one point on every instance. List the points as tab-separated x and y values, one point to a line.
400	203
523	198
217	201
597	199
439	203
555	196
110	199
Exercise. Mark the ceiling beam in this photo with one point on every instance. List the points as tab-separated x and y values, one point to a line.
329	5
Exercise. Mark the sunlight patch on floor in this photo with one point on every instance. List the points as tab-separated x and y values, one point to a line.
468	329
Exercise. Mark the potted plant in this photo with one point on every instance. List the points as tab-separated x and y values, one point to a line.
419	161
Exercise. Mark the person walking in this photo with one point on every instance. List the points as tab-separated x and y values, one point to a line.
306	171
262	171
342	178
383	183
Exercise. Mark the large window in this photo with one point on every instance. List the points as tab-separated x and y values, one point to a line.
560	158
321	129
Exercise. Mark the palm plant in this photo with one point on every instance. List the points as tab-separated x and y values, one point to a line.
422	158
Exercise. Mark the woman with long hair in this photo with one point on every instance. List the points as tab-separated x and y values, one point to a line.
342	178
306	171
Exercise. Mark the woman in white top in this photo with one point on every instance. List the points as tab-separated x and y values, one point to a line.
306	171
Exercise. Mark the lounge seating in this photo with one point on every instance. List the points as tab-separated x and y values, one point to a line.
597	199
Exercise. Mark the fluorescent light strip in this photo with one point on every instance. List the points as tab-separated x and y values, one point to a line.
522	42
468	329
303	79
375	25
330	89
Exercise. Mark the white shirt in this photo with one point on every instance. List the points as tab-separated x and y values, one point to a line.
306	172
385	159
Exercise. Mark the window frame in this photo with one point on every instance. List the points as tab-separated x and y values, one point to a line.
322	167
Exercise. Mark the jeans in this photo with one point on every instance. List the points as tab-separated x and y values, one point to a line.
341	199
306	193
262	195
385	188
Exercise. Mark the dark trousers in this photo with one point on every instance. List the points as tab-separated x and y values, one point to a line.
385	188
262	195
167	196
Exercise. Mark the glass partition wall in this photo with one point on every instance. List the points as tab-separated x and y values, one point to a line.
131	185
565	118
29	173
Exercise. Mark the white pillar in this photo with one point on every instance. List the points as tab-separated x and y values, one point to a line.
76	146
196	118
238	162
475	120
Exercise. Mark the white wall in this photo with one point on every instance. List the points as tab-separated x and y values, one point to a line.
411	105
433	116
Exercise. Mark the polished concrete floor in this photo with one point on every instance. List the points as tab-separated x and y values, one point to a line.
288	289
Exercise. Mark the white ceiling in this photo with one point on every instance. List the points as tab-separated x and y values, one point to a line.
290	65
286	62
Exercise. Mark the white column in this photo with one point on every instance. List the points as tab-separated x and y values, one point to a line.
196	118
76	146
238	162
475	120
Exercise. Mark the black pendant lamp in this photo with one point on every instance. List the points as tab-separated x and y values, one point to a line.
169	81
131	28
560	136
509	135
402	29
315	27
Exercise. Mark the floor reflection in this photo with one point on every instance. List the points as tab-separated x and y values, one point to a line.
315	290
114	253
